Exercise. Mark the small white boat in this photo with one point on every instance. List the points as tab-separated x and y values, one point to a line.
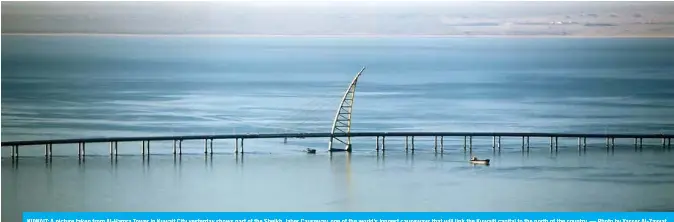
475	160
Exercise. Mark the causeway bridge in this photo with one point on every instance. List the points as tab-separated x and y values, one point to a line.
340	135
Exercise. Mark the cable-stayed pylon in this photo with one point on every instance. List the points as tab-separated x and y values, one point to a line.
342	122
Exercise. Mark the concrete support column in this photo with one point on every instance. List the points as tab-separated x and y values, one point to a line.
412	143
383	143
377	147
241	145
442	144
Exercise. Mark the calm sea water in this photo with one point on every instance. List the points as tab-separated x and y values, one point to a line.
67	87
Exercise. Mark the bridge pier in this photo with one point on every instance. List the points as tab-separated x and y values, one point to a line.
383	143
578	144
527	144
641	143
406	143
143	149
377	146
82	149
116	148
612	143
174	147
584	143
499	143
206	146
551	144
663	142
471	144
241	145
464	144
236	145
180	147
148	149
522	143
412	143
14	152
556	144
493	143
442	144
111	148
435	145
211	146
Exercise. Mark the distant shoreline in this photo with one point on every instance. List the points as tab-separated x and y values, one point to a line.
324	36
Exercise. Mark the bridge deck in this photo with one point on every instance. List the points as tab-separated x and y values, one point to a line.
328	135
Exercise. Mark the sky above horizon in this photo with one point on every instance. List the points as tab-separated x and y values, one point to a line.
342	18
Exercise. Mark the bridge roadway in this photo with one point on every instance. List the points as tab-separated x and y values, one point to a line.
328	135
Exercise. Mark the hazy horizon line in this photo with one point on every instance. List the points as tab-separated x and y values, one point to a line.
326	35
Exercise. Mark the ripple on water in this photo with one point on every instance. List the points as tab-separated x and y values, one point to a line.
661	165
543	168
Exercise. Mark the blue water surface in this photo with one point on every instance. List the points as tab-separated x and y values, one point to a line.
97	86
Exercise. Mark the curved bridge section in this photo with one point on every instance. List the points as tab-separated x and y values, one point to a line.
342	122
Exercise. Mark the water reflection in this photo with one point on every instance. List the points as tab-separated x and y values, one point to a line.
239	160
381	160
210	160
409	159
206	165
340	164
348	182
146	165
